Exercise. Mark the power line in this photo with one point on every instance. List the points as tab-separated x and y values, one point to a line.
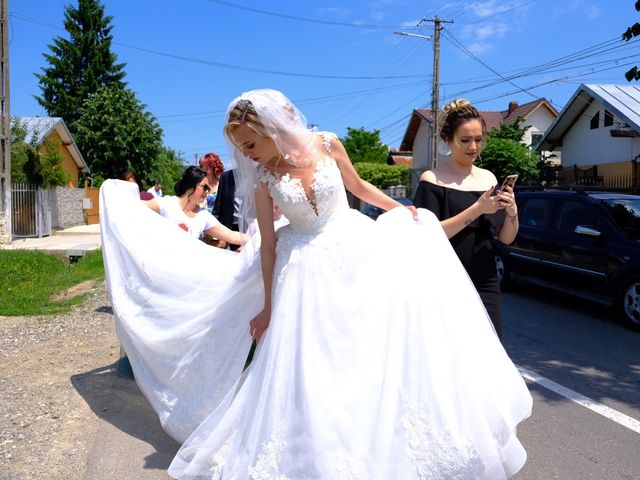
502	12
477	59
397	62
588	52
307	20
305	101
236	67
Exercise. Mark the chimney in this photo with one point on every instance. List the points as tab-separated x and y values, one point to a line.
512	106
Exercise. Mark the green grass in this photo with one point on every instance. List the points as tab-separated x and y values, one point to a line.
29	278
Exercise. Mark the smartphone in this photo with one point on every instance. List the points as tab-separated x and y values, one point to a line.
509	181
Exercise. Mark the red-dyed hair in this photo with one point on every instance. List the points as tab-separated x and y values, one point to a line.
211	162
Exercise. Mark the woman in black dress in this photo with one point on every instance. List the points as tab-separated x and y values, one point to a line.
464	198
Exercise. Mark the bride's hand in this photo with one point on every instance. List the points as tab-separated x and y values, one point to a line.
413	211
259	324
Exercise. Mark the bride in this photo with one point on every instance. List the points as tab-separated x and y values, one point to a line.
373	362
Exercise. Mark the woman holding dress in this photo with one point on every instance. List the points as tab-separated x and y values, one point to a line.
185	208
355	376
463	197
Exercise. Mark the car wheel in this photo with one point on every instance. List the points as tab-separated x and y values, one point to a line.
503	272
629	302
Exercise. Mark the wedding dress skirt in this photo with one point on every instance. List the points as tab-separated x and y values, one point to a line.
379	362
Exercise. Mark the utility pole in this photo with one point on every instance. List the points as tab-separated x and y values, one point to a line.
435	91
5	127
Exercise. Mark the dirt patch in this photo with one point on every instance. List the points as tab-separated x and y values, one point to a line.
76	290
55	373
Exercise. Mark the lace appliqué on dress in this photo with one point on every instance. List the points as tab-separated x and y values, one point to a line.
433	451
307	215
326	141
268	463
351	467
218	459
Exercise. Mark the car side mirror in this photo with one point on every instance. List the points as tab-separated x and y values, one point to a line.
588	231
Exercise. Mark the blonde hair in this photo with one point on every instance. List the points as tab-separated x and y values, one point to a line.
456	113
243	113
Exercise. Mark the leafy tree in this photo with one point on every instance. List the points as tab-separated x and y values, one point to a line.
548	172
116	134
50	168
369	156
81	65
168	168
510	131
24	156
382	175
633	31
504	154
28	165
365	146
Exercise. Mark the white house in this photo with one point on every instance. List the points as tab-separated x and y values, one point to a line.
598	132
538	115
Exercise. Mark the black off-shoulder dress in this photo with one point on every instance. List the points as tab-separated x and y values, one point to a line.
473	244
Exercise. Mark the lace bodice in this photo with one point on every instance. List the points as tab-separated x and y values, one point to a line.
329	196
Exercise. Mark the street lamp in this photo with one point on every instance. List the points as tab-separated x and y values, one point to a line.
407	34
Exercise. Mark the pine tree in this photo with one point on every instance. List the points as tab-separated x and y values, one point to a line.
81	65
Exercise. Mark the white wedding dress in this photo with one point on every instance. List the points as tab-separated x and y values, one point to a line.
379	362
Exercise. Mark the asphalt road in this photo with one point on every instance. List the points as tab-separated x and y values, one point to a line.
575	344
582	347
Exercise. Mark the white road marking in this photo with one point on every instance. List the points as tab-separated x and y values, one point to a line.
610	413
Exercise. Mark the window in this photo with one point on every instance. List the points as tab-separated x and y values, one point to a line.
535	139
595	120
608	118
626	214
536	212
574	213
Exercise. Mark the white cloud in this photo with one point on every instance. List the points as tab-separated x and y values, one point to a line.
410	23
378	6
592	11
378	15
490	30
574	7
491	7
337	11
481	48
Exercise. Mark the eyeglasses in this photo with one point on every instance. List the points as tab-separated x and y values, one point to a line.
205	188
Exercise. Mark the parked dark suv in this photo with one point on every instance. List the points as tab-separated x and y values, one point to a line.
583	243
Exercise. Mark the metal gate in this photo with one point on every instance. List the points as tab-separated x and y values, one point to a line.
30	211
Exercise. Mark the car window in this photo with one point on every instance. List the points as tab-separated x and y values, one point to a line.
537	212
626	214
574	213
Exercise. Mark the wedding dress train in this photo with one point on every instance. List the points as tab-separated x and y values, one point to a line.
379	362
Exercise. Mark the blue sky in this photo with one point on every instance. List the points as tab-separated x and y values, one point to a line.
340	62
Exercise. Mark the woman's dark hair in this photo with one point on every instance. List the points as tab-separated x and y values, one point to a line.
455	114
129	176
191	177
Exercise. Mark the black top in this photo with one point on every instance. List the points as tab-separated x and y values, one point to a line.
473	244
224	206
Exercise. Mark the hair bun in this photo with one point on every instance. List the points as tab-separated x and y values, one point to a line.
454	113
460	104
